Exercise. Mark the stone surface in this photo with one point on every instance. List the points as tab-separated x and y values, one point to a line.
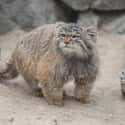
6	24
95	4
88	18
113	22
109	4
28	14
41	12
31	13
78	4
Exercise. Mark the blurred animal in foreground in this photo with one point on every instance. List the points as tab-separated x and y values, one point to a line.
122	83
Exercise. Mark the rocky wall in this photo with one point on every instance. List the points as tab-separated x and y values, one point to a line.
107	15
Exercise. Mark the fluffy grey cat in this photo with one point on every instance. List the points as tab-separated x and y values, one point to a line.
48	56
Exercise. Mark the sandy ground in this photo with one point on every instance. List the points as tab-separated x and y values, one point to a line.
107	107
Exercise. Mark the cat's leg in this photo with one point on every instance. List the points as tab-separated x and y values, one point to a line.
37	92
53	92
35	89
83	89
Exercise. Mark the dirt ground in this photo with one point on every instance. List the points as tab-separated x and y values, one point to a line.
107	107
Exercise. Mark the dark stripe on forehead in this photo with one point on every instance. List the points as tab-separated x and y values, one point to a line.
71	28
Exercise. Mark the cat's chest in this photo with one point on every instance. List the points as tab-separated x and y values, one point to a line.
72	70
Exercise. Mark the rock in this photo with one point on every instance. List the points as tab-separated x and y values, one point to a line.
88	18
81	5
78	5
109	4
44	11
113	22
29	14
6	24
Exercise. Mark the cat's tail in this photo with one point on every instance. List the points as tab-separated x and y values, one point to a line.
8	70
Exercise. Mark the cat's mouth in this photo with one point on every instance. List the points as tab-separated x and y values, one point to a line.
69	47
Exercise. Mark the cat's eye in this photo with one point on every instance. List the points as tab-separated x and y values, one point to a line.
74	36
63	35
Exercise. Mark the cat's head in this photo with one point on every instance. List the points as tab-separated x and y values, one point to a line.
73	41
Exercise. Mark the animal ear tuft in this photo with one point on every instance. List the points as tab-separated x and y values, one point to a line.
92	32
58	26
60	23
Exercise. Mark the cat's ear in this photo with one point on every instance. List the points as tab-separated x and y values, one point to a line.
60	23
92	32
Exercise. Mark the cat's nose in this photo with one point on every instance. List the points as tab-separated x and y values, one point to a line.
67	40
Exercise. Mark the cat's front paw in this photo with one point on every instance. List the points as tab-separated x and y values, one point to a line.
3	66
55	102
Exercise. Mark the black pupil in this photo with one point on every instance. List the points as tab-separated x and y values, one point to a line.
73	36
63	35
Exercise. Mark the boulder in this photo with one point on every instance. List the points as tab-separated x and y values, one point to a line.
113	22
81	5
109	4
88	18
78	5
28	14
6	24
